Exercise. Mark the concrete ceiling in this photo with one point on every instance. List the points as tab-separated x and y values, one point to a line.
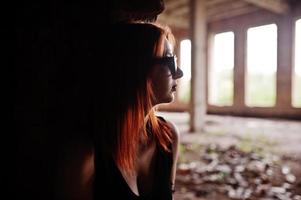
177	12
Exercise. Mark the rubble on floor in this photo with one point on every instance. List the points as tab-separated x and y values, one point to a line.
237	175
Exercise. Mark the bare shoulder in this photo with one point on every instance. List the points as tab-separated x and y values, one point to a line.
175	132
175	150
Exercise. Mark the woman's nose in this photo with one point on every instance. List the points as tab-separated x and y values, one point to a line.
179	74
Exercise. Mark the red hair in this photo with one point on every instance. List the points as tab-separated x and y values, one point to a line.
133	126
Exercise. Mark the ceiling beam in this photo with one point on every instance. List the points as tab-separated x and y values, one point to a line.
226	7
276	6
181	11
213	3
173	4
179	22
233	13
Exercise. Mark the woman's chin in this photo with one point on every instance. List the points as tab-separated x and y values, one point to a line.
168	99
165	100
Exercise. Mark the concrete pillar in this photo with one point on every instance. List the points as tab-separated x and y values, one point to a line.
285	62
198	64
239	67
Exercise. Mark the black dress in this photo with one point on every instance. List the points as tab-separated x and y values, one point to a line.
110	184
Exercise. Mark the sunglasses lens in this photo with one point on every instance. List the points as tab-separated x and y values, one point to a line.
171	62
174	65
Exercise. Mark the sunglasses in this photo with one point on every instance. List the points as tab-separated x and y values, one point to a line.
170	61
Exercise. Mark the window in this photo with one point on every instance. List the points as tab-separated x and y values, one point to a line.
185	64
296	89
261	66
220	85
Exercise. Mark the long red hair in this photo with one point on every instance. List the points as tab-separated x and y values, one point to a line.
133	124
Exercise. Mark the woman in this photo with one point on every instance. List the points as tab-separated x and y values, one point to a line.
136	152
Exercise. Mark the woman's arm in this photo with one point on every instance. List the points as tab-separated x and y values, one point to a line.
175	152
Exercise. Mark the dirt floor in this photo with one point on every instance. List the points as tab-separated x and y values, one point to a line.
266	151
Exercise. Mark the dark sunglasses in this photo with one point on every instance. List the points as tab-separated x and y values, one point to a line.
170	61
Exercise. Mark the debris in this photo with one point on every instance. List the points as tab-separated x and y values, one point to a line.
238	175
290	178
